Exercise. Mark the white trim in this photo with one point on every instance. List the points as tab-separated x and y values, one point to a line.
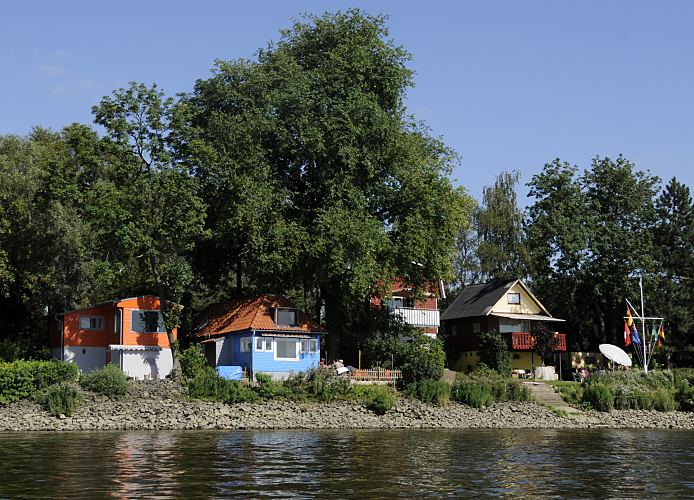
297	348
266	342
533	317
118	347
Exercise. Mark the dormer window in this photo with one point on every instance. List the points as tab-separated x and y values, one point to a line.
513	298
286	316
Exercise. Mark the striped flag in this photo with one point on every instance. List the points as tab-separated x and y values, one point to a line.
632	328
661	335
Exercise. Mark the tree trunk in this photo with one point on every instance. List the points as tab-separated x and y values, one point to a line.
334	322
239	276
164	305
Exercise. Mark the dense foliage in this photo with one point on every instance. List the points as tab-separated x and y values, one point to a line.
484	387
109	381
299	172
23	379
61	399
193	361
494	353
661	390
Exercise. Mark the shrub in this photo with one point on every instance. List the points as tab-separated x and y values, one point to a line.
381	401
494	353
192	361
435	392
23	379
236	392
109	381
268	388
62	398
472	393
422	359
600	396
207	385
486	386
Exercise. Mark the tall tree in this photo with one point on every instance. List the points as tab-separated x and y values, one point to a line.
502	249
162	212
590	236
360	192
673	241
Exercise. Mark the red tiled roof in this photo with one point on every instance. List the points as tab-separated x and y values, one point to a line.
255	313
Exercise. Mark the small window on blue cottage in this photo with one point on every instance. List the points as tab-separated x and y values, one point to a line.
286	316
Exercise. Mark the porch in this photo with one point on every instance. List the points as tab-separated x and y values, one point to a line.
524	341
417	317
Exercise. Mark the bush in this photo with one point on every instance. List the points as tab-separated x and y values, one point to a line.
422	359
23	379
494	353
600	396
192	361
109	381
485	386
472	393
209	386
381	402
62	398
435	392
268	388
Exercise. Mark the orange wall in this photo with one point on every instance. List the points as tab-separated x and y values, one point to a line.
74	336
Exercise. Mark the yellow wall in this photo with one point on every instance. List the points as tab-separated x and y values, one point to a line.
467	361
527	304
526	361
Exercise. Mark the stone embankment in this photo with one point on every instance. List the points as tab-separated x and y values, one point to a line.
162	405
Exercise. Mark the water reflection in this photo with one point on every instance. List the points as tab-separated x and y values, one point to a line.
349	464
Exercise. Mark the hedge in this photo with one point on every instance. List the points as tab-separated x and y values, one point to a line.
24	379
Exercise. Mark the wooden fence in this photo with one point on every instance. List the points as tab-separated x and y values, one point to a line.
377	375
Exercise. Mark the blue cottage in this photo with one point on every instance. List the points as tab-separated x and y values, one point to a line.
264	334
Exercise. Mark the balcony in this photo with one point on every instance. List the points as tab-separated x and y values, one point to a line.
523	341
417	317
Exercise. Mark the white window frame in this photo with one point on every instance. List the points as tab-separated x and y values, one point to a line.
289	309
297	344
246	344
265	344
514	301
311	346
89	319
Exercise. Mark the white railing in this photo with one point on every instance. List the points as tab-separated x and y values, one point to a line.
417	317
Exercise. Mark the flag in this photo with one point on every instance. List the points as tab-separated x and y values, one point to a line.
627	335
661	335
632	328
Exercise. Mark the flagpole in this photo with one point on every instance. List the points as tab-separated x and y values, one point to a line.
643	327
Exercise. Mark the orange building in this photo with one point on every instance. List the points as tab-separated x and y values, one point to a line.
420	310
128	332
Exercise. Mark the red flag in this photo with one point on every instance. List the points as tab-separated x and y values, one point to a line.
627	335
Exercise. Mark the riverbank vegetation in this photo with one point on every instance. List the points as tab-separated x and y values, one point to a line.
660	390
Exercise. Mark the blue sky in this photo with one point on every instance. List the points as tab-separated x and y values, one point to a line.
507	84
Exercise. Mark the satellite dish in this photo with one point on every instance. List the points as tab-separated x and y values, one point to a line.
614	353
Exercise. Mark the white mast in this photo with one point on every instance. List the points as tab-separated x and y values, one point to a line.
643	327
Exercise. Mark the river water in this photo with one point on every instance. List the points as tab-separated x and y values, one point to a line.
349	464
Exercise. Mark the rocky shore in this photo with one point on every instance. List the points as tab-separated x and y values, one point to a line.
159	405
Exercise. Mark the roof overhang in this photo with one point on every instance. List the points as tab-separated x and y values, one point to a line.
531	317
115	347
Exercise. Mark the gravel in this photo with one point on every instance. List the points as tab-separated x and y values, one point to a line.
162	404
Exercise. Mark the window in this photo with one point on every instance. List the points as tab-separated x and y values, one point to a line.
147	321
91	323
399	302
285	316
454	330
246	344
476	327
263	344
286	349
309	346
513	298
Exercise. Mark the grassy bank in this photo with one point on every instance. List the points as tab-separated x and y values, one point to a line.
661	390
